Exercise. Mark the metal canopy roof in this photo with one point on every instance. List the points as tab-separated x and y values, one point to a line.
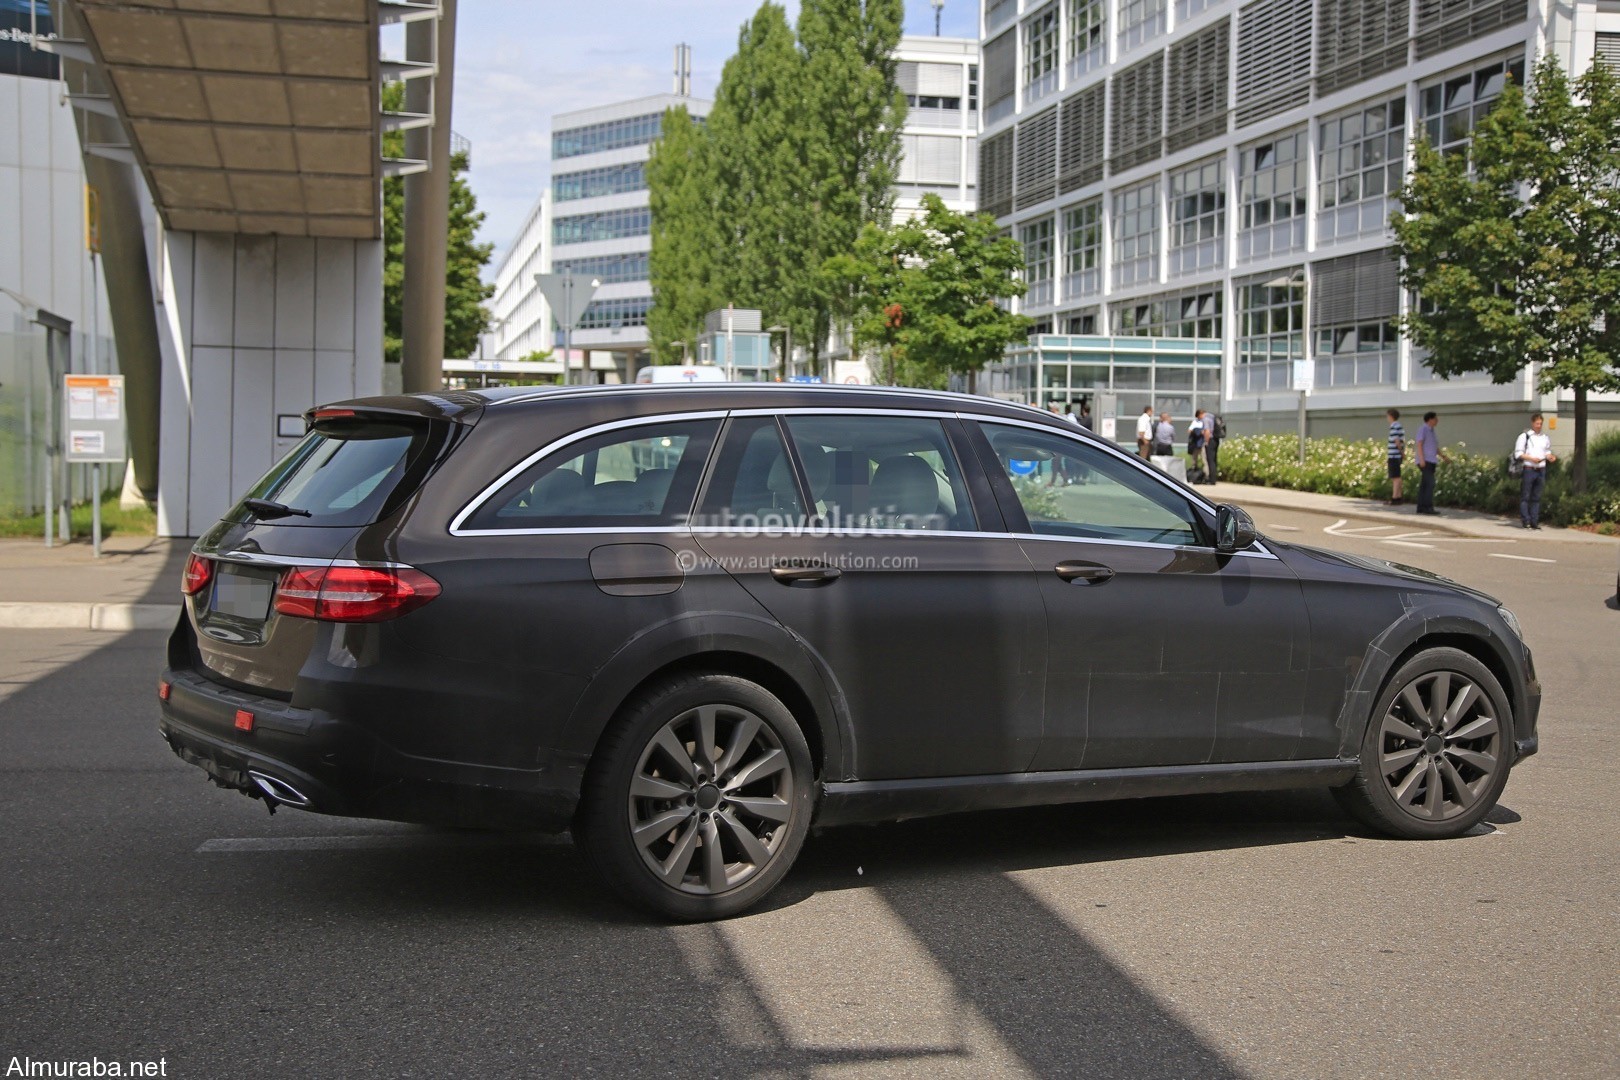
249	116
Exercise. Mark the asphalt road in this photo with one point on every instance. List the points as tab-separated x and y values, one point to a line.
145	914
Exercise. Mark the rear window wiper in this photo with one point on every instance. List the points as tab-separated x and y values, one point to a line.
266	510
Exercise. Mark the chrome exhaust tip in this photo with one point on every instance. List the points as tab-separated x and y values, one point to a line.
279	790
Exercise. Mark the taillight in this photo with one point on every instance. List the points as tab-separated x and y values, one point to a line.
199	572
353	593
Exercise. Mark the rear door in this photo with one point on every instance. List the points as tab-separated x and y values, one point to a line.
1163	652
346	473
864	541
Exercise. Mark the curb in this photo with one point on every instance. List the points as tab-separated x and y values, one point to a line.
1554	533
110	617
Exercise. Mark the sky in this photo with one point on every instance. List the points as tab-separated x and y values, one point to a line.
520	61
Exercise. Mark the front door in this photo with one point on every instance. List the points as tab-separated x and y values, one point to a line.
1162	651
865	543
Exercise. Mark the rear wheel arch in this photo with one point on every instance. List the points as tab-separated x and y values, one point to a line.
751	649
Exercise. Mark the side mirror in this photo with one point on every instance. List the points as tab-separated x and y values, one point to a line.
1234	529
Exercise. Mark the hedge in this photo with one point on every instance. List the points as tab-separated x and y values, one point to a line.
1468	481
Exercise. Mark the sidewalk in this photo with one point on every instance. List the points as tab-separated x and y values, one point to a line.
135	585
1454	522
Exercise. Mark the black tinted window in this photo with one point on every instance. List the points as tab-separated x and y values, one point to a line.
341	474
753	484
882	472
642	476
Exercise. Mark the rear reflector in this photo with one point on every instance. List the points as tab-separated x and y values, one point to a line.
199	572
244	720
164	690
353	593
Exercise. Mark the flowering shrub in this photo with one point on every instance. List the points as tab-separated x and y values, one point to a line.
1468	480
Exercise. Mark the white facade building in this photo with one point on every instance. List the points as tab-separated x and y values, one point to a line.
520	315
940	78
1224	172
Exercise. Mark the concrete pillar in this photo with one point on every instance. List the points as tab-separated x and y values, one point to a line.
427	206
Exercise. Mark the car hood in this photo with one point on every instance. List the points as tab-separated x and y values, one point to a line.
1293	554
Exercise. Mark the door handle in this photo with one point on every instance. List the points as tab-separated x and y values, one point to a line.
1083	573
805	577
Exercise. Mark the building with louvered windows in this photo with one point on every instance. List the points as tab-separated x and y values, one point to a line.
1219	172
940	78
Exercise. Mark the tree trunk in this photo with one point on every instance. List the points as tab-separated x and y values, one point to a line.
1578	472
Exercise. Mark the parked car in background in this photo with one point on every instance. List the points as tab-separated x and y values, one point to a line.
686	622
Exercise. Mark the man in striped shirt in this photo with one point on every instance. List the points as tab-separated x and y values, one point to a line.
1397	454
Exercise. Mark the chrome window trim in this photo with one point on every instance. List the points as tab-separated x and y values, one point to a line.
561	444
1246	553
1131	459
259	558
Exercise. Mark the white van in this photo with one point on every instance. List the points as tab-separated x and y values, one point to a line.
672	373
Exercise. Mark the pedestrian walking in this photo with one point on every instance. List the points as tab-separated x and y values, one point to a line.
1429	455
1212	446
1164	435
1397	455
1144	431
1197	436
1532	450
1083	417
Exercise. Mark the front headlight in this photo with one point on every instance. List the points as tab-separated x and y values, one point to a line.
1513	622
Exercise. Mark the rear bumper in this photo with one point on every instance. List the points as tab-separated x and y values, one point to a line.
341	768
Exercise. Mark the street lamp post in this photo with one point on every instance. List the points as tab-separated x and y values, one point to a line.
787	347
939	6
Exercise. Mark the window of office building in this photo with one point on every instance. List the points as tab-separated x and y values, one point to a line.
1136	234
973	88
1088	23
1041	53
1037	159
1000	77
1361	159
1271	196
998	13
1198	217
1451	107
1082	322
608	269
1139	21
610	135
933	161
1136	120
1273	58
1082	249
1186	9
1196	102
1357	39
1354	304
1270	330
933	93
1080	150
1192	313
606	225
1445	24
1036	237
613	314
608	180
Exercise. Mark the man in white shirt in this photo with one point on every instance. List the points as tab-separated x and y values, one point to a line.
1144	431
1534	450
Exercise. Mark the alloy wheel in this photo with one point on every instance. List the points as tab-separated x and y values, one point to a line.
711	798
1440	746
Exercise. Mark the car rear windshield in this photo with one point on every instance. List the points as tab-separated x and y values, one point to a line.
342	473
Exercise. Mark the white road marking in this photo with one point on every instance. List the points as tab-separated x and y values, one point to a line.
1407	543
1521	558
375	842
1338	528
1283	528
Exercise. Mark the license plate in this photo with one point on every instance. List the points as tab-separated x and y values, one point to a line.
242	594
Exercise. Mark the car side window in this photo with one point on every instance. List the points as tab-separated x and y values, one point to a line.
882	472
1067	488
753	485
639	476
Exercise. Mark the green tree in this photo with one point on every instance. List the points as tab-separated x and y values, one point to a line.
682	262
854	112
465	317
1514	246
924	293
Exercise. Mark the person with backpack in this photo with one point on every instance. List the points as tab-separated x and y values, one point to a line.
1532	451
1197	434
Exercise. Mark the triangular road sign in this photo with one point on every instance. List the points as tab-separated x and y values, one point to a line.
568	295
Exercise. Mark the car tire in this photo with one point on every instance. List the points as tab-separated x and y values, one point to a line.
1430	771
735	821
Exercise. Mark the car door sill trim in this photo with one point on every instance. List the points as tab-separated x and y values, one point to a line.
849	802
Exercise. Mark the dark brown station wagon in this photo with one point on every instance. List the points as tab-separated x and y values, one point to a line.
687	622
